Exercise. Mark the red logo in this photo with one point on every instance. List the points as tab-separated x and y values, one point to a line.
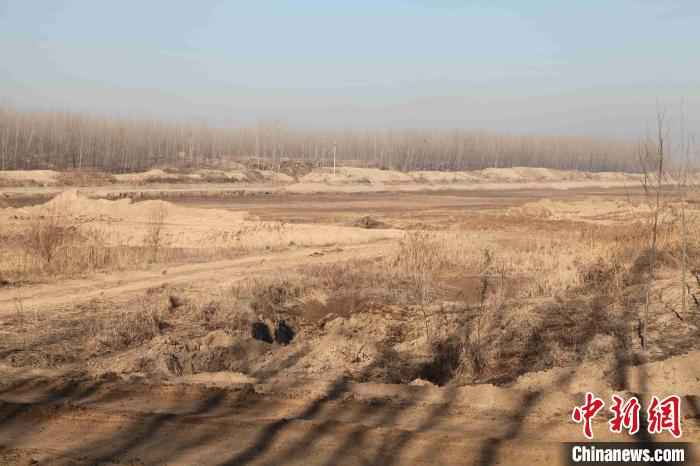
662	415
585	414
625	415
665	415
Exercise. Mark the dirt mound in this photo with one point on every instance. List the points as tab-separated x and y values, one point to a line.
155	175
291	168
243	175
365	346
370	222
670	376
217	351
444	177
72	203
303	176
39	358
85	178
354	175
501	174
354	179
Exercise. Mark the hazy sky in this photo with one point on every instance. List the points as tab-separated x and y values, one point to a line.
588	66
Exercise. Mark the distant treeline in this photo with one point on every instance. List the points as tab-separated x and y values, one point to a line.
61	140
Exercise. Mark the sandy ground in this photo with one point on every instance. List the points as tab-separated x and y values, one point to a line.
120	286
112	422
65	402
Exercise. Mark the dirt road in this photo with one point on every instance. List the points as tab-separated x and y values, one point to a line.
54	418
120	286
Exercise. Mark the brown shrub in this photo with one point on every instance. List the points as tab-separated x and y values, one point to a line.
418	260
50	232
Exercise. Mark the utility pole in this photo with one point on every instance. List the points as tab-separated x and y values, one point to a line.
334	152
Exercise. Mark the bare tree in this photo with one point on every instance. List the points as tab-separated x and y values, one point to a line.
651	160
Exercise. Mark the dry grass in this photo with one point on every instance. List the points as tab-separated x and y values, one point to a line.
131	328
155	239
271	298
49	235
52	244
518	290
455	305
427	266
425	270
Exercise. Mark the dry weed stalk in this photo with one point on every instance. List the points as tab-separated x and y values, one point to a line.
155	229
50	232
484	289
417	261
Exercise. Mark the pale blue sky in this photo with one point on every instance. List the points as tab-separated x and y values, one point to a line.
519	65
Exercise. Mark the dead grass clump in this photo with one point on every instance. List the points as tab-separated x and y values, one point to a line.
627	255
51	246
49	233
419	258
271	298
603	276
55	241
132	328
218	316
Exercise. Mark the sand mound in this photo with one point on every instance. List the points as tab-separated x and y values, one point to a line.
29	177
426	176
500	174
153	175
343	179
269	175
674	375
157	175
124	222
363	346
530	174
372	179
354	175
168	355
217	379
73	203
